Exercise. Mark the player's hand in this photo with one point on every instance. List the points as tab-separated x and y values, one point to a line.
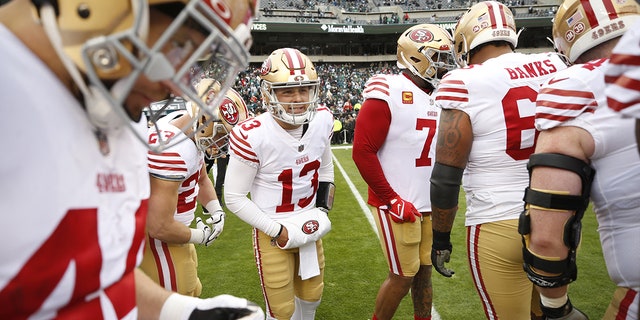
223	307
202	234
441	253
566	312
216	221
402	211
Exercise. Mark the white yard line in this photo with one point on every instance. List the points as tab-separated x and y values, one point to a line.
365	209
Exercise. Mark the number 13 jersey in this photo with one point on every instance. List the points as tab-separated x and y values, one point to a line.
289	168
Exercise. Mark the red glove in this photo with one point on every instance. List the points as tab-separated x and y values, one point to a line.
402	211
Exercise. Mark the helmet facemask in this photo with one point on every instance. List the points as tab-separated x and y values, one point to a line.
221	55
214	141
112	53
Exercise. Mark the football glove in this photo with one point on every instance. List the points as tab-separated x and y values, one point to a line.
566	312
216	217
441	252
202	234
217	223
402	211
222	307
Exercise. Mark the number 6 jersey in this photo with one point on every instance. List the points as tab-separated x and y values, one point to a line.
501	112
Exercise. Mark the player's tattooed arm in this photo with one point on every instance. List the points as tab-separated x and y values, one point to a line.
455	137
452	152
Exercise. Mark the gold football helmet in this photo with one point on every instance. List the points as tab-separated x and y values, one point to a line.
106	43
289	68
426	50
581	25
484	22
212	132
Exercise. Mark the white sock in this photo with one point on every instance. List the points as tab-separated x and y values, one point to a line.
553	302
305	310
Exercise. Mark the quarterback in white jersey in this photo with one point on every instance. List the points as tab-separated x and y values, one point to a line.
282	158
394	150
585	152
486	134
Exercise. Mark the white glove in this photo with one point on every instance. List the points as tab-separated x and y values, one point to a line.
202	234
216	219
180	307
306	227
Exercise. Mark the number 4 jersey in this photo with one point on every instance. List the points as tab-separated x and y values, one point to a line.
499	96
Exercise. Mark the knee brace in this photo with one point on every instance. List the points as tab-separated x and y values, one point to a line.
566	269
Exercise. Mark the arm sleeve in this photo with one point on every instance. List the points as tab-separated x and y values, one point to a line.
236	189
326	170
372	126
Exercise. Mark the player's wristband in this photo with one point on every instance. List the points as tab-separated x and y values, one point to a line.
441	240
275	238
178	307
197	236
213	206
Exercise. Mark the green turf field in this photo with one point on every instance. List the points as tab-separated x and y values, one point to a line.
355	266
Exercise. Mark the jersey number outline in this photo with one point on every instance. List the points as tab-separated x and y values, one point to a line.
286	177
516	124
425	160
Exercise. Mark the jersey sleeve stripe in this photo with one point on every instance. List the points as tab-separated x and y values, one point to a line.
242	148
240	152
451	98
158	167
372	89
574	94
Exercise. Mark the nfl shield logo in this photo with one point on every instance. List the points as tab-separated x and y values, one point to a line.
301	148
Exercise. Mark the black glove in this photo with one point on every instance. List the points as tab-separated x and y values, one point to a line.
441	252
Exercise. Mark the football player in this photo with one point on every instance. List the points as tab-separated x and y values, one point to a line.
486	134
82	72
179	181
585	151
283	158
389	157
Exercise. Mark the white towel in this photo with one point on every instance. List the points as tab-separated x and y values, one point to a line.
309	266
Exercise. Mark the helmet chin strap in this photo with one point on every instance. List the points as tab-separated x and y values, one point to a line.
99	110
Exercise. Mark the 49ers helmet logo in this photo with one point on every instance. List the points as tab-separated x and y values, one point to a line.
229	111
266	67
310	226
421	35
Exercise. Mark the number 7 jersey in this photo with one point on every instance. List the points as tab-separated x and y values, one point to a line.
499	97
289	168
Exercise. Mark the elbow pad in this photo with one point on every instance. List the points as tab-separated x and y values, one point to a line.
324	196
445	185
